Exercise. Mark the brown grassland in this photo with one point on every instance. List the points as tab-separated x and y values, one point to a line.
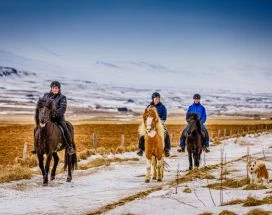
108	137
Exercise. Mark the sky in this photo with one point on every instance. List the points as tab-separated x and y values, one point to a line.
187	35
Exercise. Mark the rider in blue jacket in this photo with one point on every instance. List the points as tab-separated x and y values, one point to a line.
199	109
162	112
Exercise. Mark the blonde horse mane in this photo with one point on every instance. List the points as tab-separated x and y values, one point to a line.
159	126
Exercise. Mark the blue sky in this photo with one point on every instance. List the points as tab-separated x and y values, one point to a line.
172	33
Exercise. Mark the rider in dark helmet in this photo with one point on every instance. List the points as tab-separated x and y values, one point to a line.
200	110
61	105
162	112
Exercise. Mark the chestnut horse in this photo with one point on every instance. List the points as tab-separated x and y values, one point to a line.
153	131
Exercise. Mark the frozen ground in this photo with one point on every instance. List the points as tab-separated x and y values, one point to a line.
20	91
94	188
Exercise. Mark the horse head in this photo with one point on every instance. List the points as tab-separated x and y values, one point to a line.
151	119
193	123
45	110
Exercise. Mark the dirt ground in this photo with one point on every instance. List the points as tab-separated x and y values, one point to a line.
14	135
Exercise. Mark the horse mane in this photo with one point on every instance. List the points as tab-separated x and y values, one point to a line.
159	125
196	118
42	102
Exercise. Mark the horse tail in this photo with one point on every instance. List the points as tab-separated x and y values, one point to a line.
70	159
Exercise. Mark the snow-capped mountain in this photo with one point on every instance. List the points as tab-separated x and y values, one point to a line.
107	86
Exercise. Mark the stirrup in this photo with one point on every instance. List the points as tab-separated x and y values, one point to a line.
71	151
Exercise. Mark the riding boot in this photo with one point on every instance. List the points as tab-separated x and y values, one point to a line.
141	146
68	138
182	140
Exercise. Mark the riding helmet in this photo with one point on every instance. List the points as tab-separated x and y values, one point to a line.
55	84
196	96
155	95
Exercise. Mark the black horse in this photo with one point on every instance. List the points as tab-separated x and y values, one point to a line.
194	139
49	140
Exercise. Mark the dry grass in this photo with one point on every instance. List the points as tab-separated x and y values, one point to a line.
205	213
255	187
250	201
227	212
229	183
187	190
258	212
234	202
14	173
104	162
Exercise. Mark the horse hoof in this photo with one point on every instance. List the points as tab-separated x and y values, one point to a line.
68	179
154	178
45	184
190	168
147	180
52	177
159	180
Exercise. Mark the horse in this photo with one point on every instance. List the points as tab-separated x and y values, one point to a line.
49	140
153	131
194	139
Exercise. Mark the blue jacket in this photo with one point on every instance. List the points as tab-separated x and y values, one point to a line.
199	110
161	109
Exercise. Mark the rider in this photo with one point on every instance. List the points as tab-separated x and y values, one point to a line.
162	112
61	105
199	109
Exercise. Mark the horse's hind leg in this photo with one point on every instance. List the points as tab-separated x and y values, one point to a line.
69	176
154	167
160	169
47	167
148	170
56	161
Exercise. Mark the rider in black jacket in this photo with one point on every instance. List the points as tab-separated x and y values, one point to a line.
61	105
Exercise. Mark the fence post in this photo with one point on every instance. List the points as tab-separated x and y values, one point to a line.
122	140
225	132
94	141
230	132
25	152
218	134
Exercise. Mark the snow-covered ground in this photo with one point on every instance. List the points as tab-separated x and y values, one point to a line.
97	187
19	93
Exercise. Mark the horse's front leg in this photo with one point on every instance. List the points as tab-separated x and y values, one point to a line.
56	161
40	158
47	167
148	170
196	159
190	160
154	168
160	169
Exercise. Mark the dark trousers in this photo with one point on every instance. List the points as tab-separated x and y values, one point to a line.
167	143
66	132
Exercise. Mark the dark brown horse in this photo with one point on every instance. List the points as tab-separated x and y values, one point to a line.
49	140
193	139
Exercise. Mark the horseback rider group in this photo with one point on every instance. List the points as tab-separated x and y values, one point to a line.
61	105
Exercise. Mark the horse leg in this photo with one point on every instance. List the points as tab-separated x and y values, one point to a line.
148	170
196	160
56	161
190	160
154	168
40	158
47	167
69	176
160	169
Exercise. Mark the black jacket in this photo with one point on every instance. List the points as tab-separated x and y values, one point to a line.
60	104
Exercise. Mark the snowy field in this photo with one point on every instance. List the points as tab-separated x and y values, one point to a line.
95	188
20	91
